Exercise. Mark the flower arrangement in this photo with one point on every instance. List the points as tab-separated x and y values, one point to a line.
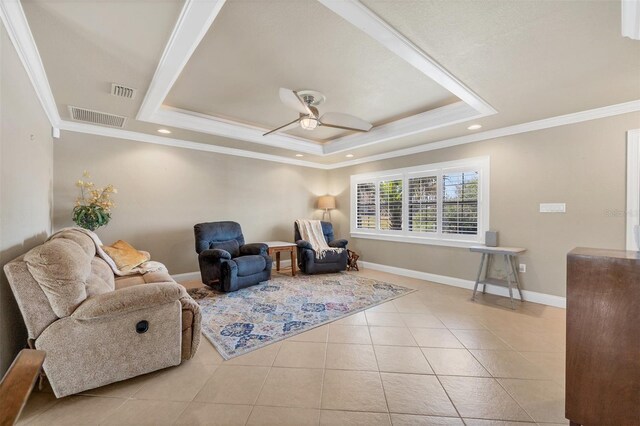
93	206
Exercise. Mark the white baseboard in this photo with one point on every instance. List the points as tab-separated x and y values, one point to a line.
529	296
187	276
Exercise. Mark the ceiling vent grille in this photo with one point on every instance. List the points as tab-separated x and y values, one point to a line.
122	91
96	117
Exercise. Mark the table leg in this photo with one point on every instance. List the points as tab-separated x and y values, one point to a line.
487	271
507	267
475	287
517	277
294	261
278	261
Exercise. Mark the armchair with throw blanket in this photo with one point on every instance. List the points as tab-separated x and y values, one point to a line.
318	251
226	260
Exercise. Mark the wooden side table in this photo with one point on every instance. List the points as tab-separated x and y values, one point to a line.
277	247
510	255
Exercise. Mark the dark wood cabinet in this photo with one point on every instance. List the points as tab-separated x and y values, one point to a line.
603	337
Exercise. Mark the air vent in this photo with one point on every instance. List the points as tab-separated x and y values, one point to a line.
122	91
96	117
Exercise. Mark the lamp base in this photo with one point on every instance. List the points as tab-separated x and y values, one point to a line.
325	213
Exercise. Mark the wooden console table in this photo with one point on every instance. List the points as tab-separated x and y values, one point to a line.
277	247
509	255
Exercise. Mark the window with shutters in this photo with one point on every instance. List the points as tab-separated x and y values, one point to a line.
366	206
390	201
460	203
423	204
444	203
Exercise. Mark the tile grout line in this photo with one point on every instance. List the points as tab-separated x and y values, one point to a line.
384	392
253	405
324	373
442	386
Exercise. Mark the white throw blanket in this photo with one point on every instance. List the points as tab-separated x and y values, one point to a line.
311	231
149	266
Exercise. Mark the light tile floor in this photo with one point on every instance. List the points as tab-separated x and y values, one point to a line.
432	357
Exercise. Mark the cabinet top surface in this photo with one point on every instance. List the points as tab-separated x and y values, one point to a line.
596	252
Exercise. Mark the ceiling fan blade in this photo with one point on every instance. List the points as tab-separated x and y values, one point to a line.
345	121
291	99
283	126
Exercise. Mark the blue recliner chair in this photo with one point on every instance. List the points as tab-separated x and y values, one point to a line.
225	259
332	262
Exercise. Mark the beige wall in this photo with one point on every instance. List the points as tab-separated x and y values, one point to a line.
582	165
26	173
164	191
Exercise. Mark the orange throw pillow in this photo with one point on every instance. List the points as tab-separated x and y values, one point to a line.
125	256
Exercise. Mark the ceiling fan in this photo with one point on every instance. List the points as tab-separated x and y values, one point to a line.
305	102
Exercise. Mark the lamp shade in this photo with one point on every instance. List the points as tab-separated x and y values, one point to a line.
327	202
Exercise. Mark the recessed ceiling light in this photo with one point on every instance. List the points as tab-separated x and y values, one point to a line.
165	131
349	155
299	155
475	127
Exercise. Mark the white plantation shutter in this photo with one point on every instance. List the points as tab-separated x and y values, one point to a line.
442	203
423	204
460	203
366	205
390	202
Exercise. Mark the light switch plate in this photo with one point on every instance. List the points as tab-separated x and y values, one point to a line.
553	208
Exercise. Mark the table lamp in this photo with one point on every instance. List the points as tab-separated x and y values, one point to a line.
327	202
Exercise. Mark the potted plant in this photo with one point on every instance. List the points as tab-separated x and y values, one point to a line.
93	206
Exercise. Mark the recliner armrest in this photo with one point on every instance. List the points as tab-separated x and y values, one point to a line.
128	299
214	255
304	244
339	243
254	248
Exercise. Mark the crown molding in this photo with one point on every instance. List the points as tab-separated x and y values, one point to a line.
578	117
193	23
546	123
440	117
14	20
197	17
17	27
176	117
91	129
371	24
631	19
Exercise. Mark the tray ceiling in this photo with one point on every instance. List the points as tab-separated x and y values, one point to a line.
215	83
254	48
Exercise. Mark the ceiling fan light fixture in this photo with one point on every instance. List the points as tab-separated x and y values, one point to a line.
309	123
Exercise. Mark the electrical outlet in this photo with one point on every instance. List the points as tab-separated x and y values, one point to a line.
522	267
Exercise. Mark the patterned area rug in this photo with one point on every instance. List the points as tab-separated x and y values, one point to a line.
248	319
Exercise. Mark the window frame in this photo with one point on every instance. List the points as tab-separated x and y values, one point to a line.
479	164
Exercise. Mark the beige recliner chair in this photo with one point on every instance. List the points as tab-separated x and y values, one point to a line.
95	328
